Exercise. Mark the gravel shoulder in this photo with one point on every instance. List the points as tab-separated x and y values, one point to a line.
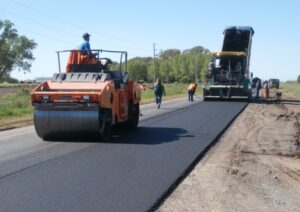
255	166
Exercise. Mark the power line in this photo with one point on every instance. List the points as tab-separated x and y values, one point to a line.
39	23
74	25
58	30
47	36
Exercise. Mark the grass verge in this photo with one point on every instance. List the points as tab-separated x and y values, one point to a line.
15	105
16	109
291	90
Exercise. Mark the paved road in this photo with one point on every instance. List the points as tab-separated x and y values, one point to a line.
130	173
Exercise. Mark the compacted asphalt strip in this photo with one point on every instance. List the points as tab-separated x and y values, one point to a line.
131	172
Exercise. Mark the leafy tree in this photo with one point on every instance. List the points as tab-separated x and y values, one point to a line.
15	50
169	53
9	79
172	66
176	66
298	79
194	50
197	50
166	71
137	70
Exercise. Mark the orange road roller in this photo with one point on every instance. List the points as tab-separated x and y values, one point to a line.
92	96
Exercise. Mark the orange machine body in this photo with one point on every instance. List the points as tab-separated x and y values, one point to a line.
81	101
104	94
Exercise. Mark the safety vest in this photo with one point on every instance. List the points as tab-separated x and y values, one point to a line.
192	86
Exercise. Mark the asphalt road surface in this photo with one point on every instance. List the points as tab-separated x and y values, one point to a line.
132	172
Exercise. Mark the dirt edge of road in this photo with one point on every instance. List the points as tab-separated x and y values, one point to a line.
181	178
254	166
15	123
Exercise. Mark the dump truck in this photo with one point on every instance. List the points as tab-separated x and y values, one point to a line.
228	74
87	99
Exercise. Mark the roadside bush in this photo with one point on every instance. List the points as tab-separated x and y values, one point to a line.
18	104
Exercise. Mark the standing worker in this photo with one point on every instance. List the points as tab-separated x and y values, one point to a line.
191	91
266	89
258	87
159	90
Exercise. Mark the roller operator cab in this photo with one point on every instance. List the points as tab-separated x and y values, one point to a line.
228	72
92	96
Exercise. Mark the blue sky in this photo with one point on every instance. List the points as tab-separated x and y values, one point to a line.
134	25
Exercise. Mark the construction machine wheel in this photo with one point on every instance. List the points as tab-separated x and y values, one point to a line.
105	122
133	115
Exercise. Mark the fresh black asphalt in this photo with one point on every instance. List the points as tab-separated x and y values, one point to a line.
129	173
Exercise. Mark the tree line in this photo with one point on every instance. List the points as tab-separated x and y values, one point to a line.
172	65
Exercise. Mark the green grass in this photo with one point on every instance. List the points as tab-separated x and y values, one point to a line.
15	105
17	85
172	91
293	89
19	104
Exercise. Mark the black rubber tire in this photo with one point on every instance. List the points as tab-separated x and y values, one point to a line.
105	121
133	116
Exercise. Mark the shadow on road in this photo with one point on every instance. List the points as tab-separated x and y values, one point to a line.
149	135
141	135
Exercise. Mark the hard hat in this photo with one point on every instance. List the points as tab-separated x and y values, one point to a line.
86	35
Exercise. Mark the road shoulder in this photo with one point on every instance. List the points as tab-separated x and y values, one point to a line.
254	167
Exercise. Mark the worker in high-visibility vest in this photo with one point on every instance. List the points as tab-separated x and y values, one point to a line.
266	89
191	91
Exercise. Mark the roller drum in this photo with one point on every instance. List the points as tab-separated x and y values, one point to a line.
63	123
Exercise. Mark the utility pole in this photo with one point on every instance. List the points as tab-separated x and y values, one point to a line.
154	76
196	70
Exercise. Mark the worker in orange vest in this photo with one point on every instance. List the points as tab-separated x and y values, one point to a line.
266	89
191	91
